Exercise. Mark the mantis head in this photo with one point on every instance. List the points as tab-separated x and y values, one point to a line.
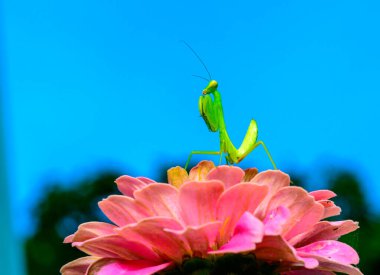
211	87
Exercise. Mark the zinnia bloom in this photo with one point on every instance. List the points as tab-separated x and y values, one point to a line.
211	213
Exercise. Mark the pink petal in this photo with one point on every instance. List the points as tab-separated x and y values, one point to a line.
304	211
229	175
127	185
201	170
152	233
235	201
146	180
322	194
199	238
324	230
120	267
311	216
198	201
307	272
248	231
69	239
309	263
331	250
115	246
326	264
330	208
274	180
123	210
78	266
90	230
161	199
275	220
275	248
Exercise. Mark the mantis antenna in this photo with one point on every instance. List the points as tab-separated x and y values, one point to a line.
201	77
199	58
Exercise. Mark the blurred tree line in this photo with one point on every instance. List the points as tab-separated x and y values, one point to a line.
62	209
58	215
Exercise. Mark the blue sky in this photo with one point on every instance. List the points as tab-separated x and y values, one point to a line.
90	85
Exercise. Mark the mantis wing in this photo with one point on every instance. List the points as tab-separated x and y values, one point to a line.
209	112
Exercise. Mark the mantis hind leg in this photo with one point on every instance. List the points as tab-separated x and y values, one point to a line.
203	153
260	142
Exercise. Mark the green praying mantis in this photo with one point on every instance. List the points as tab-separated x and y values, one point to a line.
211	110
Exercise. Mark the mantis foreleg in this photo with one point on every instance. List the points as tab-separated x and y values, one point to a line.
203	153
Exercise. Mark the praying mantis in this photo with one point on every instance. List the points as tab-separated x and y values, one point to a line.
211	110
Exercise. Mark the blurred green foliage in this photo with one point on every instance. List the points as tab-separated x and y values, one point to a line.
58	215
354	206
61	210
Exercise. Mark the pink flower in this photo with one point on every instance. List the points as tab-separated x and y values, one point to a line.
210	212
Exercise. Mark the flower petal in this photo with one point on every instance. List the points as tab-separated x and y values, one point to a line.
322	194
177	176
307	272
78	266
304	211
152	233
331	250
326	264
235	201
90	230
115	246
275	248
120	267
309	262
201	170
275	220
229	175
324	230
330	209
310	217
146	180
248	231
128	185
199	238
274	180
123	210
198	201
161	199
